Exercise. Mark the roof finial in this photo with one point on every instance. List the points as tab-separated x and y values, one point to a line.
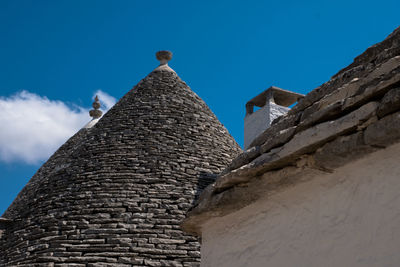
96	112
164	56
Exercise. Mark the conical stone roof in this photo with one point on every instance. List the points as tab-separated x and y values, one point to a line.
115	194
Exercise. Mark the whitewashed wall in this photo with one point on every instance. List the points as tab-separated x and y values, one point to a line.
347	218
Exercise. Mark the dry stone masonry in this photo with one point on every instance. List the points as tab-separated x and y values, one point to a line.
116	192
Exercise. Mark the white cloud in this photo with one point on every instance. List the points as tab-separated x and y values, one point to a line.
33	127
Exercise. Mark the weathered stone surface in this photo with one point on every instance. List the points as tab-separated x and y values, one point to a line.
327	113
283	123
219	194
372	92
243	159
347	90
278	139
237	176
342	151
331	105
364	64
301	143
390	103
122	187
4	221
353	87
105	264
312	138
69	265
384	132
309	140
3	225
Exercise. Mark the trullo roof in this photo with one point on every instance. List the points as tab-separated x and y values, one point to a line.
115	193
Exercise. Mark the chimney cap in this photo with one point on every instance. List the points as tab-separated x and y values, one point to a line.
276	95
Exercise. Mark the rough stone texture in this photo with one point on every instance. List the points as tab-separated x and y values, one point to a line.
356	87
364	64
311	138
330	112
373	91
389	103
346	118
345	99
384	132
278	139
115	194
302	143
244	158
341	151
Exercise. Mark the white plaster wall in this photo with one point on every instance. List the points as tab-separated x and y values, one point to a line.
347	218
261	119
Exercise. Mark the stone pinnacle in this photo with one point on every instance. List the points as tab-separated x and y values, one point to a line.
96	112
164	56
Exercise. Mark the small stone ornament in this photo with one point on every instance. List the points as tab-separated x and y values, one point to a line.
96	112
164	56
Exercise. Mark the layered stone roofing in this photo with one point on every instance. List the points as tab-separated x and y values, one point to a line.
115	193
355	113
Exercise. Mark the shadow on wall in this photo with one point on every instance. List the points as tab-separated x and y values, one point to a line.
204	179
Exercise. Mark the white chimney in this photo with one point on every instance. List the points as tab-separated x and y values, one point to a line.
273	103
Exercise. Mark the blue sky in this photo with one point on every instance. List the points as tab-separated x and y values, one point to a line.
55	55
